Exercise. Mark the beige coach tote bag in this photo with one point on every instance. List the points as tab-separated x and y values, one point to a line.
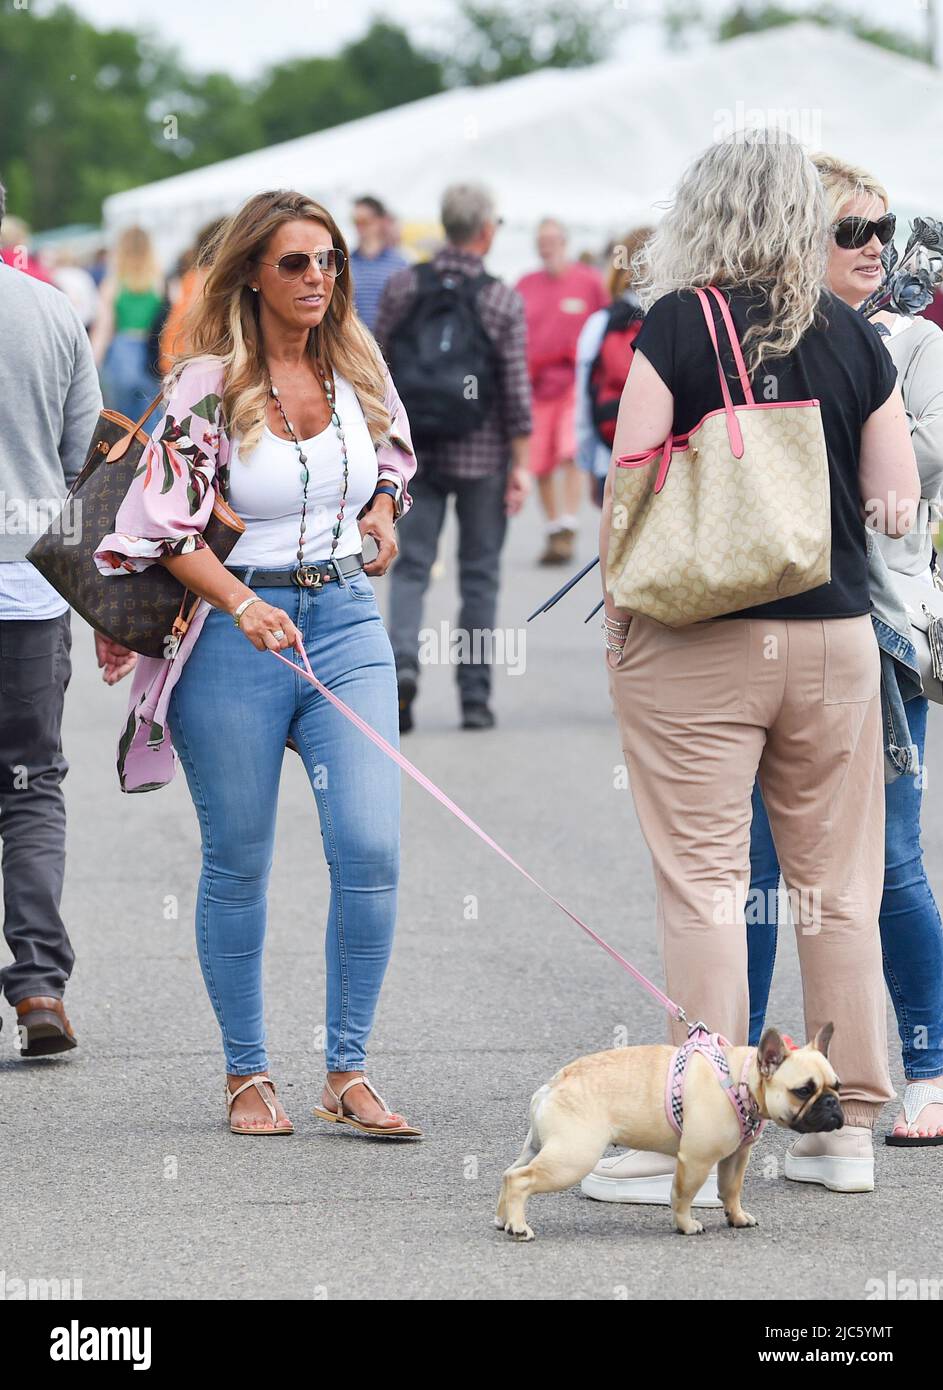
733	514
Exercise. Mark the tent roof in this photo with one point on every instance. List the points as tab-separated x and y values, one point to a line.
597	146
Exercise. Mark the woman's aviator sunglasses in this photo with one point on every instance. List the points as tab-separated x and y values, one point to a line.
852	233
295	263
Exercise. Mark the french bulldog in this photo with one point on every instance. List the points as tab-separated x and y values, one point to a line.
618	1097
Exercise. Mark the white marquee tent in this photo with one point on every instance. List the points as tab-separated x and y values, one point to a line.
599	147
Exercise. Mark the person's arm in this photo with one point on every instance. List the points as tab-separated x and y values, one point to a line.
923	402
513	379
79	416
396	465
396	460
514	398
519	479
103	329
170	500
587	347
81	406
646	414
204	574
887	470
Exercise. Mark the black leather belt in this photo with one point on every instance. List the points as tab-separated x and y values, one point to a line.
311	576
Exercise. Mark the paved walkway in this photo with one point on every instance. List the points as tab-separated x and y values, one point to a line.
119	1170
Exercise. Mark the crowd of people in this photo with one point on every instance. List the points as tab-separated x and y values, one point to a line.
329	396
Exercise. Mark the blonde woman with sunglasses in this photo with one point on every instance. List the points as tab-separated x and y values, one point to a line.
911	931
284	408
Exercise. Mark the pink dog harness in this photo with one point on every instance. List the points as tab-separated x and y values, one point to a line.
709	1045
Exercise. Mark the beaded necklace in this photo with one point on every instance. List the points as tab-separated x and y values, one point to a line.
306	574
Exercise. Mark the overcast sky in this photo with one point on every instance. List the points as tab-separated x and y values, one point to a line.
243	36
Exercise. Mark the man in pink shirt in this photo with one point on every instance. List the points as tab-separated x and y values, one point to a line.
558	300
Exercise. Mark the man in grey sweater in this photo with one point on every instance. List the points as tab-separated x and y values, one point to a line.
49	404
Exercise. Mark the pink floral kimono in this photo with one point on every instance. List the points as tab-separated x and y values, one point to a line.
164	512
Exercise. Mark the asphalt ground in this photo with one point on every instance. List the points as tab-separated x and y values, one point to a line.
120	1170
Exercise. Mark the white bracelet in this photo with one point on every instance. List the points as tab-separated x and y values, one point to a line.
237	615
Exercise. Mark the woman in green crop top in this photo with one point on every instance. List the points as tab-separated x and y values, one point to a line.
132	300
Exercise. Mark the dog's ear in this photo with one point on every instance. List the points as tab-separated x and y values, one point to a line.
823	1037
771	1052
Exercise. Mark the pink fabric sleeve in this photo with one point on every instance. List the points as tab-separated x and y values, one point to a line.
397	460
171	495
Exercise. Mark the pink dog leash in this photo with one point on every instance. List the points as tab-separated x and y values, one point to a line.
424	781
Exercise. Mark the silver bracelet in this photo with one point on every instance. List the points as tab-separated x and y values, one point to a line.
237	614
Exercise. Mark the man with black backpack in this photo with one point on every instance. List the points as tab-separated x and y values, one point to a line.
455	340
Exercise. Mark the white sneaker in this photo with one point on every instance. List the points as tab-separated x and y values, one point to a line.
842	1160
646	1178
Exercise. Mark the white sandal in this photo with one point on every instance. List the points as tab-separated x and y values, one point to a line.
917	1096
338	1117
258	1082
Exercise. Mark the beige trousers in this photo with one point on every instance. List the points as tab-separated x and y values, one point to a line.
702	709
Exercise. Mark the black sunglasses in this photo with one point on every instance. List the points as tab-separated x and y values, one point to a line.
852	233
295	263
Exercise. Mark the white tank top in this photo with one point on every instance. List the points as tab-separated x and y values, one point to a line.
266	491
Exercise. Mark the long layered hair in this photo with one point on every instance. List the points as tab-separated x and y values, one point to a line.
749	213
136	266
223	322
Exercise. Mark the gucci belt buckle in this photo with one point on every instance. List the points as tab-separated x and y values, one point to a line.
307	577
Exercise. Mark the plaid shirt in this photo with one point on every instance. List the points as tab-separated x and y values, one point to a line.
487	449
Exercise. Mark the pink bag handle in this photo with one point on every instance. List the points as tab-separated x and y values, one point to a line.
734	432
307	674
742	372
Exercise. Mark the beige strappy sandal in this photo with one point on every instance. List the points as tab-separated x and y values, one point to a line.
258	1082
338	1117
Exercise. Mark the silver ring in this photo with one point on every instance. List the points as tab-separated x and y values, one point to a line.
278	635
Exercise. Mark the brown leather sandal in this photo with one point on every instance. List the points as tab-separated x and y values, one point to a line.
400	1130
258	1082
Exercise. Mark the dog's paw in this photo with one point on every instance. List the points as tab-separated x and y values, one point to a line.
519	1232
741	1219
691	1228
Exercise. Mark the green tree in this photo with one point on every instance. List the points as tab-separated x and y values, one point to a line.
390	68
381	70
73	115
87	112
497	41
308	94
679	18
748	18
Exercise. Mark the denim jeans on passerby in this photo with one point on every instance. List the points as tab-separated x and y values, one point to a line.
911	931
128	384
230	715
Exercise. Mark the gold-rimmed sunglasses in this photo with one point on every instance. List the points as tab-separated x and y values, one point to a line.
295	263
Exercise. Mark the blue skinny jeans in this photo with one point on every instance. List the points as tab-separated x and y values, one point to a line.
230	715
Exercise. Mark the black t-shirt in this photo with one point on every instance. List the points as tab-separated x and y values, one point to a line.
840	362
